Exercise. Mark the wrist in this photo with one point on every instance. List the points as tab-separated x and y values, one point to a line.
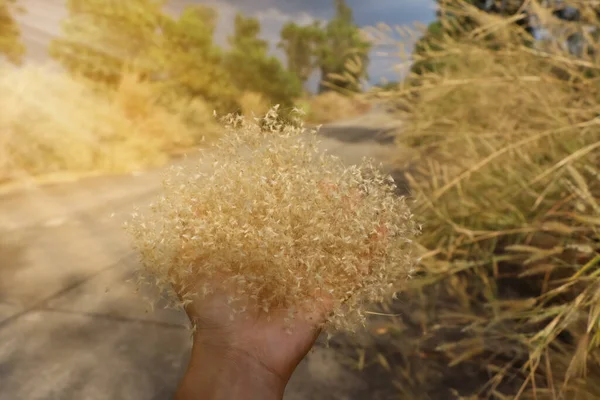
219	370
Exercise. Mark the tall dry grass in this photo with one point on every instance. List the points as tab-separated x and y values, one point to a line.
50	122
505	170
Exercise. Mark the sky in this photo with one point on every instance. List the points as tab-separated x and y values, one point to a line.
42	21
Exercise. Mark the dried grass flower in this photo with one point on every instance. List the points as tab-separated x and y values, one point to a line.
281	223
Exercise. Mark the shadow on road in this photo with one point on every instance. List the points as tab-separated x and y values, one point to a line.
71	320
12	260
358	134
82	357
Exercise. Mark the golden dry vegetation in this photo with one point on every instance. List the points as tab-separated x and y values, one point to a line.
301	229
505	142
51	122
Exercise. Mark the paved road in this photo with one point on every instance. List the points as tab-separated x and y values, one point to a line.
72	326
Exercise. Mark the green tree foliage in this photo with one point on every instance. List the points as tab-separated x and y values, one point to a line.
253	69
300	45
337	49
343	54
104	38
190	63
101	37
11	45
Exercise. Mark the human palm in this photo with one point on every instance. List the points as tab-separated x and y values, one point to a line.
263	337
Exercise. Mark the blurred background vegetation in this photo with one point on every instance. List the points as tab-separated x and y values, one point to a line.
500	146
140	60
103	39
501	111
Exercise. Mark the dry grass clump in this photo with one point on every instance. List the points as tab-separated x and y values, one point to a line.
283	224
507	147
332	106
253	104
50	122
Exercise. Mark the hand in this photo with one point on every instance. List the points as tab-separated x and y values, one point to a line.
251	357
254	355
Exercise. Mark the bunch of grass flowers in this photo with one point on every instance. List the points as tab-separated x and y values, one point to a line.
282	223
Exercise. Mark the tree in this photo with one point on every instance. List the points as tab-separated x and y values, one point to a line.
10	34
300	44
343	54
245	35
189	61
253	69
102	37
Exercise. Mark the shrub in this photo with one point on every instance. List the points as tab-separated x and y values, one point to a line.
50	123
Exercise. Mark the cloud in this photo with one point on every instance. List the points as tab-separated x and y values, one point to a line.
318	8
366	12
274	14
